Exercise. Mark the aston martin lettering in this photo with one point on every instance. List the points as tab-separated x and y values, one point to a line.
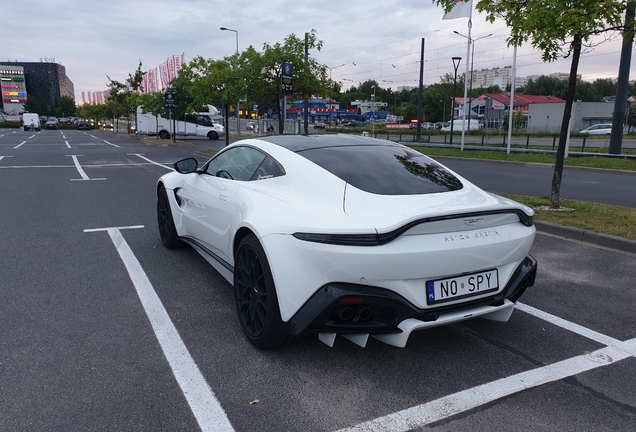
472	236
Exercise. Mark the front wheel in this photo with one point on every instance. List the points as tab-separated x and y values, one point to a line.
213	135
164	135
256	299
167	230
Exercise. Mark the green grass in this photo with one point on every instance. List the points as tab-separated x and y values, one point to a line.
166	142
588	161
602	218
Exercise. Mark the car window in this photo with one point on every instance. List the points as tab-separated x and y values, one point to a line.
239	163
204	120
269	168
384	170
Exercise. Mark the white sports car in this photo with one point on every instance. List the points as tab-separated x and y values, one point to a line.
342	234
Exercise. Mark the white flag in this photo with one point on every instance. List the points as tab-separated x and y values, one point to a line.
460	10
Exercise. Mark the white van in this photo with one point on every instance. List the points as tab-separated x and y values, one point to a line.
201	124
31	121
457	125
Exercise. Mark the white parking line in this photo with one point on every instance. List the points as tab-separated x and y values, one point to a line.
153	162
114	145
204	405
2	157
465	400
457	403
560	322
19	145
31	136
67	144
81	171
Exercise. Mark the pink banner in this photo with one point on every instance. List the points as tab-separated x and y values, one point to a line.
177	64
165	78
173	72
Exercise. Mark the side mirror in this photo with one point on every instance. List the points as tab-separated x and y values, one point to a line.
186	166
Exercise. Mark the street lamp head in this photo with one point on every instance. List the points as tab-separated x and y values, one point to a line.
223	28
456	61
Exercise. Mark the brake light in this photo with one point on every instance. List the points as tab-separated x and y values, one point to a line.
352	300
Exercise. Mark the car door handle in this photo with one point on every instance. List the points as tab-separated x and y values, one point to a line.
223	197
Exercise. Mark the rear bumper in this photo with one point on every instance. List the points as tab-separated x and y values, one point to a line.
349	309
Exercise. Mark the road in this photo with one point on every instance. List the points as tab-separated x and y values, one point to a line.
93	312
602	186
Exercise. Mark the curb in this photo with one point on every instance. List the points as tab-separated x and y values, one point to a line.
539	165
606	240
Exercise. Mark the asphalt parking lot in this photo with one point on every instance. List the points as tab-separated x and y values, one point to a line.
104	329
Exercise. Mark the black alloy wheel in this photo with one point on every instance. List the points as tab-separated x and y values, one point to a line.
167	230
255	294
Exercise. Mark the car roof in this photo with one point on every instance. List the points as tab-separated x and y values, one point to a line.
298	143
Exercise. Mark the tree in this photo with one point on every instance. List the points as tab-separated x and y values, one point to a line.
556	28
65	107
38	106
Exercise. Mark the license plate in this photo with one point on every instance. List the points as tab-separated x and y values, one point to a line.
458	287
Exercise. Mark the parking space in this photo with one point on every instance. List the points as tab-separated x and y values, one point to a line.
108	330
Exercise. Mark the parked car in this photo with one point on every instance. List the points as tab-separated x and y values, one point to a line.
51	124
313	243
320	125
250	125
598	129
83	125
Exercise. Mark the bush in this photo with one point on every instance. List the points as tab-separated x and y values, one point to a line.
9	125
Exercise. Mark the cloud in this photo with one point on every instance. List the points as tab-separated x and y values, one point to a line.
93	39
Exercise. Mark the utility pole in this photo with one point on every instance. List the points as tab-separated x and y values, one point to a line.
419	98
616	137
306	101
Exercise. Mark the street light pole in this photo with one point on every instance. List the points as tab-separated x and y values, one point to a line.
372	113
456	61
472	62
235	31
332	68
238	120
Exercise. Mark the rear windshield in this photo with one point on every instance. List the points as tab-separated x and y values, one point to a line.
384	170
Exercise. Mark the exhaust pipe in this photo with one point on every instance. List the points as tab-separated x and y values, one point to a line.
365	314
344	313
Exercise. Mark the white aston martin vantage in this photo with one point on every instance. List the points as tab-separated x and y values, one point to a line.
348	235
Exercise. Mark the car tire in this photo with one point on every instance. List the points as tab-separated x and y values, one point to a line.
213	135
164	135
167	230
255	295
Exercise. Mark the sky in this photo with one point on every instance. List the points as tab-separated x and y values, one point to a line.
363	40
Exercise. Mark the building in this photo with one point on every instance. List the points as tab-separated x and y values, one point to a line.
44	81
367	106
321	110
504	81
486	77
548	118
489	108
14	93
